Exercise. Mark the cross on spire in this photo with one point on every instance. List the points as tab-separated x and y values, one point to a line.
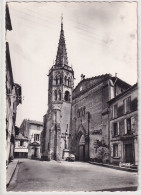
61	21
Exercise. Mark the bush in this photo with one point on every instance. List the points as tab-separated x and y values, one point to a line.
102	154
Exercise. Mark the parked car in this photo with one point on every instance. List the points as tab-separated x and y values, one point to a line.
71	158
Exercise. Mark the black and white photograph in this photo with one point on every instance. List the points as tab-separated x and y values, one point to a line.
71	96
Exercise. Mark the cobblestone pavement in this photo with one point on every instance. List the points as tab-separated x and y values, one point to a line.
34	175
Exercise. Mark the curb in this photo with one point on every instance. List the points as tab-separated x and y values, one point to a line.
7	183
120	189
114	167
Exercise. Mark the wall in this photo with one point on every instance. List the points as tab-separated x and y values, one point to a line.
94	102
123	137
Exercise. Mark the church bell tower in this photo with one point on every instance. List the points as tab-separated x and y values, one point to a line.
61	83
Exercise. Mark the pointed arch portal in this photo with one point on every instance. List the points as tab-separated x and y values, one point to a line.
81	143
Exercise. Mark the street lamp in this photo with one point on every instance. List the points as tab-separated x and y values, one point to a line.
56	131
55	137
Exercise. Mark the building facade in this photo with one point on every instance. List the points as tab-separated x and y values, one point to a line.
32	131
57	119
90	115
13	98
21	146
124	127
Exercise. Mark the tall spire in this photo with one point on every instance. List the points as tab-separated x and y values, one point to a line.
61	57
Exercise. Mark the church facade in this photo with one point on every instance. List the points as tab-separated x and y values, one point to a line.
90	116
77	119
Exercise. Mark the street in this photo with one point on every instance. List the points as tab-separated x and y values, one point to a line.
35	175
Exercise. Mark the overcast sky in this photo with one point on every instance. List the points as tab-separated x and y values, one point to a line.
100	38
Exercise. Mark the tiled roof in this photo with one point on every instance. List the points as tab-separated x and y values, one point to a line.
35	122
122	94
93	78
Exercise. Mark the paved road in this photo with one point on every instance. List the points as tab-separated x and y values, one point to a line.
32	175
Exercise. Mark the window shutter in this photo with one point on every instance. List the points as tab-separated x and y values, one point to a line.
113	112
111	150
124	103
118	127
112	131
132	124
125	126
129	103
119	150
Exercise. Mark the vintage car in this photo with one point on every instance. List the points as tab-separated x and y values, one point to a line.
71	158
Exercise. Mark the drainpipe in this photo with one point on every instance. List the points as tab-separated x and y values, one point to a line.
109	132
88	136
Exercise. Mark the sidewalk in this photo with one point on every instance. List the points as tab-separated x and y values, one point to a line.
10	171
114	167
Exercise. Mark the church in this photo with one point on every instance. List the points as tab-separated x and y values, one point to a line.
77	120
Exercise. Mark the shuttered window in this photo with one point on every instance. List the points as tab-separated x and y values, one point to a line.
116	128
128	125
115	150
119	150
127	105
133	129
111	150
115	110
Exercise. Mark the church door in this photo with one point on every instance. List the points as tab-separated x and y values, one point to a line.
82	148
82	153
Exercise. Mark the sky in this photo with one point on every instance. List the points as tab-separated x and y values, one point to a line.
101	37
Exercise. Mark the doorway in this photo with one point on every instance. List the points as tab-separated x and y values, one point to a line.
35	152
129	153
82	148
82	153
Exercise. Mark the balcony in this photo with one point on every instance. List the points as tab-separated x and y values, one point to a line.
128	136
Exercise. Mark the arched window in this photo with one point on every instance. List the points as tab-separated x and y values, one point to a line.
55	95
65	80
68	81
60	80
60	95
56	80
84	111
67	96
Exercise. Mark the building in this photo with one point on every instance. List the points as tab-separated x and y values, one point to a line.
90	116
32	130
57	120
13	98
21	146
77	120
124	127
